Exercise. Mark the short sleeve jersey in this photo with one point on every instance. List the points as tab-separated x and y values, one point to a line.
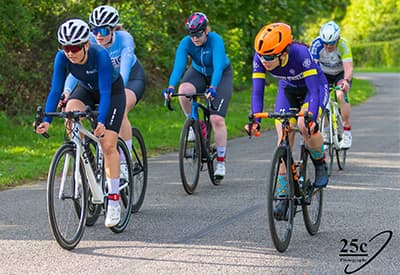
331	62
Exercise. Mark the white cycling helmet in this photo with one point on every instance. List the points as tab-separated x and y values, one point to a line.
104	16
330	32
73	32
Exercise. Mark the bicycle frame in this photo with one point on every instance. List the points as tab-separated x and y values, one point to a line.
97	189
334	111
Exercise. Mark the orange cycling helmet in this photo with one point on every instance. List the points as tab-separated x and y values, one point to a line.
273	39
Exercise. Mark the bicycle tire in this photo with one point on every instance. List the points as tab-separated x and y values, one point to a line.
326	124
94	210
67	210
125	189
341	154
190	157
312	204
212	153
280	229
140	169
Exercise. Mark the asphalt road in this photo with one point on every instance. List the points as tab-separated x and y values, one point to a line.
223	229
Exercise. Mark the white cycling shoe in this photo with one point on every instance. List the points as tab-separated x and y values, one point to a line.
346	142
113	215
220	170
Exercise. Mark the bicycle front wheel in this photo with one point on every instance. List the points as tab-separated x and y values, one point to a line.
212	155
190	156
125	189
313	197
327	132
139	161
281	226
66	198
94	210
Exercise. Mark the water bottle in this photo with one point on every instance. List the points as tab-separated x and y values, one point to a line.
203	128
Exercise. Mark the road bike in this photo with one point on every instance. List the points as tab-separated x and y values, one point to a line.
300	175
76	189
331	127
140	168
193	154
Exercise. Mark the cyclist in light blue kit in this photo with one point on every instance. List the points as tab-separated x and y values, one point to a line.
98	83
120	45
301	85
211	68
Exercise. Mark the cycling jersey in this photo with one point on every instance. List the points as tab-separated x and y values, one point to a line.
96	75
331	62
298	73
122	54
208	59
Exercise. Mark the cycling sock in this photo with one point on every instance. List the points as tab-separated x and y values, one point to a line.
129	144
317	153
347	128
221	152
282	185
113	188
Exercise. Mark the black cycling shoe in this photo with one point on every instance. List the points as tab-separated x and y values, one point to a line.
321	174
281	210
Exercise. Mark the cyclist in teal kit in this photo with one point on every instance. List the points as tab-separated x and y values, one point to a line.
98	83
210	67
301	85
108	33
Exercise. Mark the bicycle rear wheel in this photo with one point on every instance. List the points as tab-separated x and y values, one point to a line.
341	154
327	131
280	227
312	203
190	156
125	189
140	169
66	198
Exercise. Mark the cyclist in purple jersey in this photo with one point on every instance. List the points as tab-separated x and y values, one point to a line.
210	68
107	32
99	84
301	85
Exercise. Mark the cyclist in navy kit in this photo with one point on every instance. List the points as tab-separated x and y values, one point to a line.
301	85
210	67
99	83
108	33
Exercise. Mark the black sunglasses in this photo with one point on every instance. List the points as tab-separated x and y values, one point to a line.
196	34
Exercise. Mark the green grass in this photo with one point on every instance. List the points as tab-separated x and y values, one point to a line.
25	156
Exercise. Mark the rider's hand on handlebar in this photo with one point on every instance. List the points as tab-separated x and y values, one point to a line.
253	129
63	101
42	128
167	93
344	85
100	130
211	93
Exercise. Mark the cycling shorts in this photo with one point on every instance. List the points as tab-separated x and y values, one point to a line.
117	103
224	89
137	81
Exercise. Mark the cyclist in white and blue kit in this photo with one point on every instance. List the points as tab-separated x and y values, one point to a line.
333	53
210	67
108	33
98	83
